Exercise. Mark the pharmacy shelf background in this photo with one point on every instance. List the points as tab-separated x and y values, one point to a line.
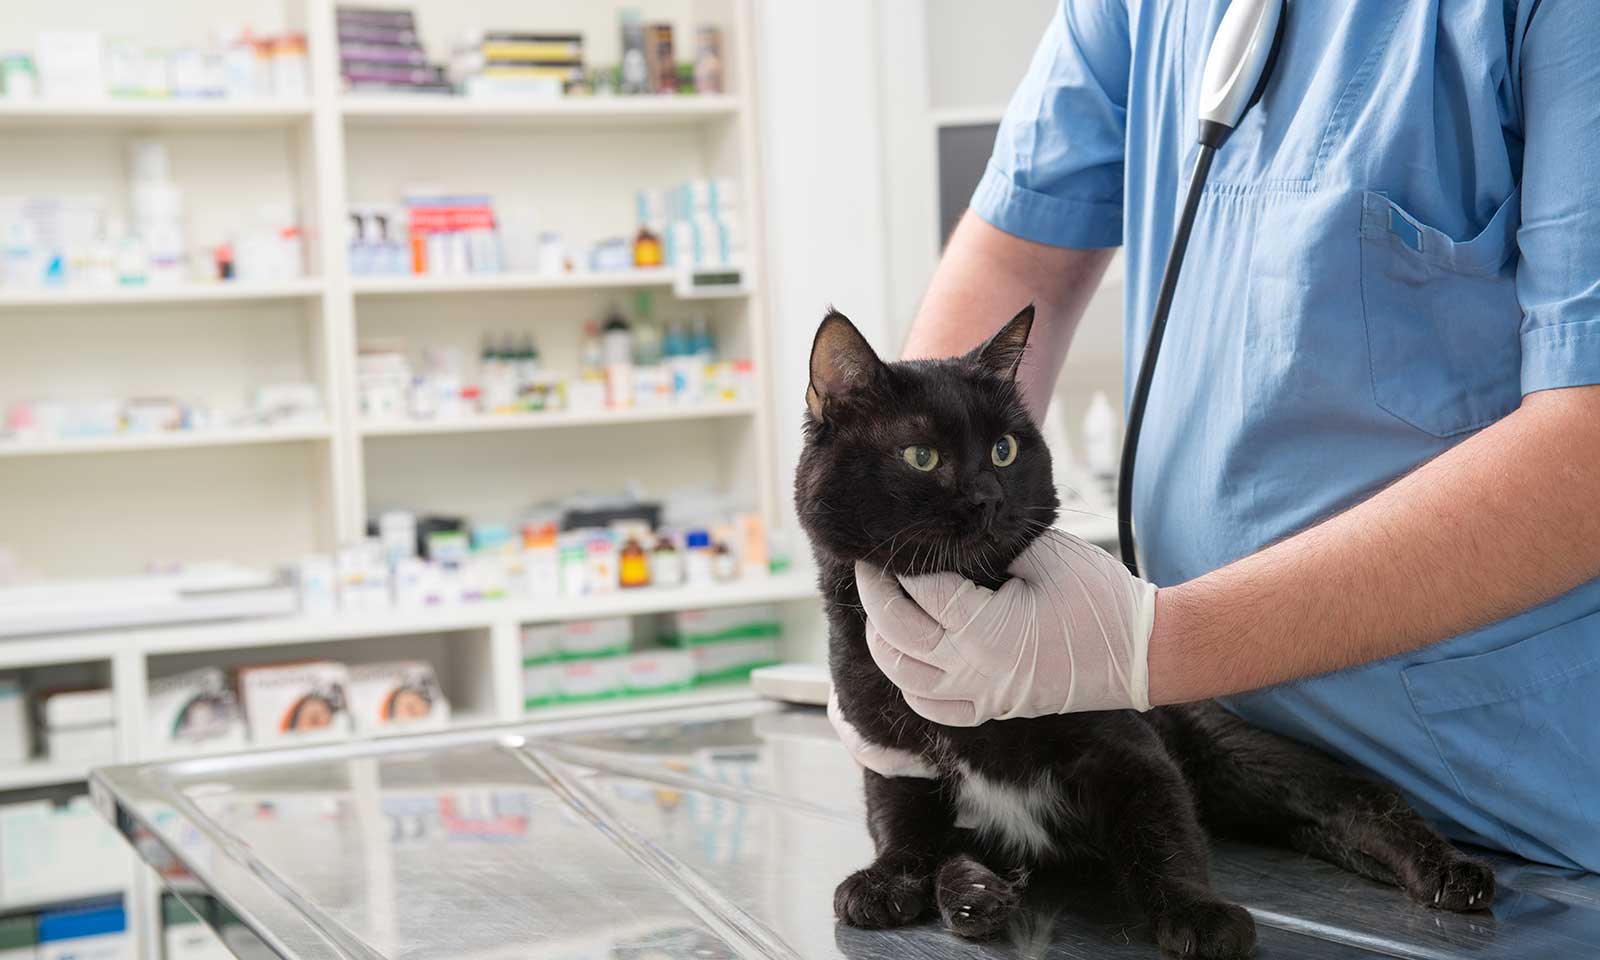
267	494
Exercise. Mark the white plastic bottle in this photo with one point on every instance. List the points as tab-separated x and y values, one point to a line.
1100	439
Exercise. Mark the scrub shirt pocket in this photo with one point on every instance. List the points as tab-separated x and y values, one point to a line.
1442	317
1519	731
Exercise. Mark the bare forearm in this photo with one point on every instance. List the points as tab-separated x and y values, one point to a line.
1500	523
987	275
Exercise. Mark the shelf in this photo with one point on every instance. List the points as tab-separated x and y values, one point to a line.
727	691
477	616
153	114
505	422
967	116
178	439
402	110
9	907
40	773
458	722
490	283
193	293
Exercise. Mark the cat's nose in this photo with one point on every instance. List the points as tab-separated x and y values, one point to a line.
985	495
985	491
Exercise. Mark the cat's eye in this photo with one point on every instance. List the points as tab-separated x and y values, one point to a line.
922	457
1004	451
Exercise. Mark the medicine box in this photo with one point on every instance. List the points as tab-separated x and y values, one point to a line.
595	678
404	693
295	700
186	936
19	937
540	683
79	727
658	671
195	709
99	932
541	642
15	743
732	659
687	628
590	638
45	845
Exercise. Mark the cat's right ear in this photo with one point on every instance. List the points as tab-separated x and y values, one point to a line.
841	361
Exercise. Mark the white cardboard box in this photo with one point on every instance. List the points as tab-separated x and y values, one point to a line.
194	709
295	700
402	693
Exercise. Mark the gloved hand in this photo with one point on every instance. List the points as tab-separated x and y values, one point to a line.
884	761
1069	631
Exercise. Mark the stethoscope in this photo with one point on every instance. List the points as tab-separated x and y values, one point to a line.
1237	66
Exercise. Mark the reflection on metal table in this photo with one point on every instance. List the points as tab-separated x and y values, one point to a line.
696	833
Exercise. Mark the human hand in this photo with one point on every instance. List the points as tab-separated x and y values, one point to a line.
884	761
1070	631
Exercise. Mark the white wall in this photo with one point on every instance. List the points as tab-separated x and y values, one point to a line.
979	51
976	55
848	143
822	159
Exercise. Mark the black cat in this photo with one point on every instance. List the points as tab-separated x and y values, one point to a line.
1121	792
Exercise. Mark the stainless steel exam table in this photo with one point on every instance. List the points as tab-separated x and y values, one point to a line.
709	832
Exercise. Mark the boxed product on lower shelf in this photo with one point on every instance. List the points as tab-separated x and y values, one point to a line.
595	638
727	642
658	671
732	660
19	937
594	659
294	699
15	743
79	726
196	709
186	936
97	932
322	698
689	628
592	678
45	847
401	694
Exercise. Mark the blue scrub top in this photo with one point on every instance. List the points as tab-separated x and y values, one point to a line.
1398	243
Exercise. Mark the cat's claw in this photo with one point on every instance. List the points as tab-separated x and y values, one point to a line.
974	902
1207	930
877	898
1458	884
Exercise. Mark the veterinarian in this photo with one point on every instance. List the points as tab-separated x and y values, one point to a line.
1368	497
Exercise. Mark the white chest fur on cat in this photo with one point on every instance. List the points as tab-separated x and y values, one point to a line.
1016	817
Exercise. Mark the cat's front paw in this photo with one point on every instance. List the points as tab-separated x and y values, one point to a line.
1456	882
973	900
878	897
1206	930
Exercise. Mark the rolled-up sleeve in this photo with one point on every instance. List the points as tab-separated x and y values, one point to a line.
1055	176
1558	276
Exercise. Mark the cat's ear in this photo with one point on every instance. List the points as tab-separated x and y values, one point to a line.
1002	352
841	361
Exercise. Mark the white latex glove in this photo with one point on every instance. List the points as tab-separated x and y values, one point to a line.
884	761
1069	631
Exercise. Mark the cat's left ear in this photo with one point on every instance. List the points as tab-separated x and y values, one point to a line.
1002	352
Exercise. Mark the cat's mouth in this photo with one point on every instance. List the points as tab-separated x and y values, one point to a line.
981	555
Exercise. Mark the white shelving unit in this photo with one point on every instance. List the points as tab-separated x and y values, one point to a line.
555	420
637	279
130	296
165	115
271	495
124	443
322	154
592	112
